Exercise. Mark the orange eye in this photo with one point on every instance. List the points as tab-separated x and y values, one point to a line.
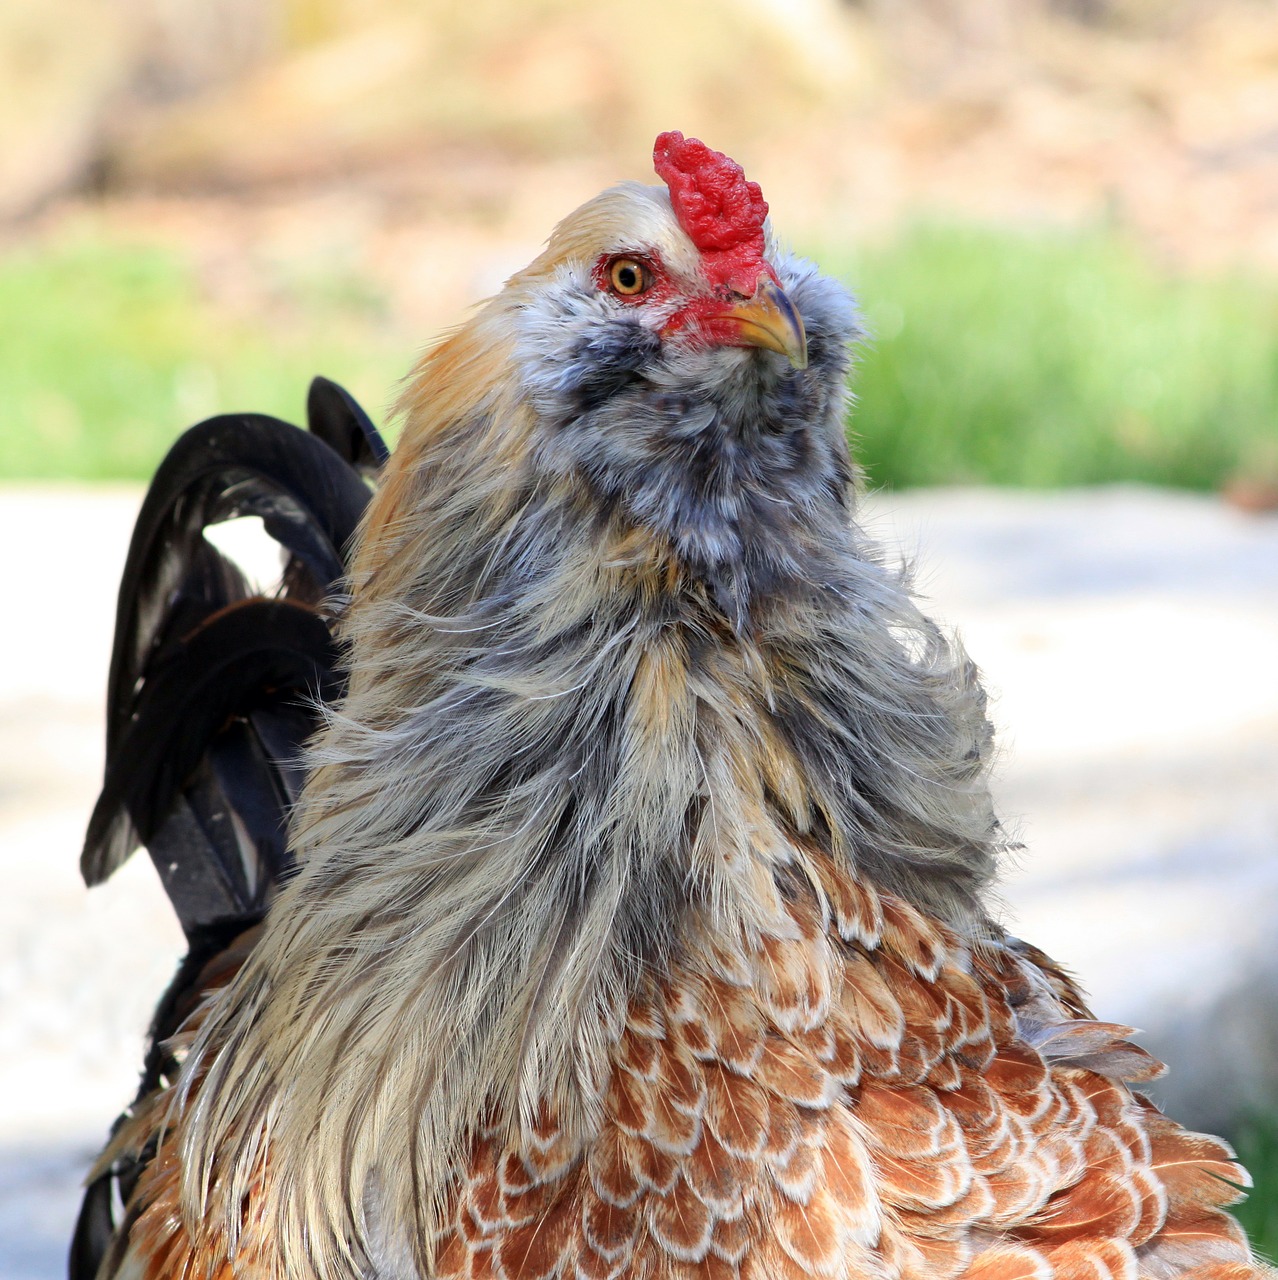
628	277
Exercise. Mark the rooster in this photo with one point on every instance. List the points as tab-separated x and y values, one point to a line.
586	852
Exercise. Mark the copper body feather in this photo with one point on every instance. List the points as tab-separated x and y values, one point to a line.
638	930
855	1094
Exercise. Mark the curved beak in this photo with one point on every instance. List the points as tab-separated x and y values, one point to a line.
769	320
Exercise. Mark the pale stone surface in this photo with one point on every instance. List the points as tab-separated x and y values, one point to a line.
1130	639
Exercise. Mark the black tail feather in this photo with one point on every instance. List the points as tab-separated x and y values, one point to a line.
333	414
212	690
191	772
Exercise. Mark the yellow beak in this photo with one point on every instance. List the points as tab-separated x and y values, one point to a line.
769	320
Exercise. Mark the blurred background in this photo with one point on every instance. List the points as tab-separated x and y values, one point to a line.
1060	213
1061	218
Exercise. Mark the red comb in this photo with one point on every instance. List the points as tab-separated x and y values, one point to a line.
721	212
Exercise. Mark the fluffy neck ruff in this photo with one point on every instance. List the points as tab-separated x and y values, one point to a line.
582	720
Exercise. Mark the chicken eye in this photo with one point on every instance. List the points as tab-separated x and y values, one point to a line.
628	277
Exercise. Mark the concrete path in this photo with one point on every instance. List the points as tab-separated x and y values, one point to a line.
1130	639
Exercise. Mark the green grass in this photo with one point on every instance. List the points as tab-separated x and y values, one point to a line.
1054	358
107	351
1257	1141
1000	357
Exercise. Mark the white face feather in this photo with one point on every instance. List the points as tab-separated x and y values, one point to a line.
630	218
